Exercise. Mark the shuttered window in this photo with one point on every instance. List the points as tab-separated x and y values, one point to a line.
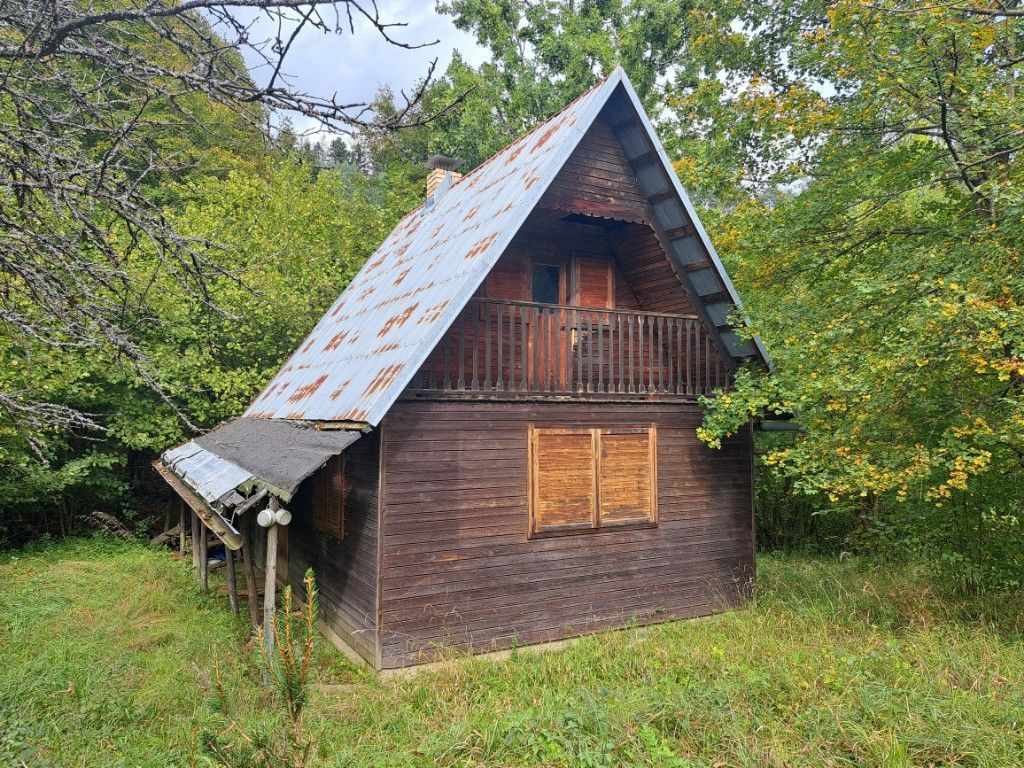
627	478
329	498
590	479
564	486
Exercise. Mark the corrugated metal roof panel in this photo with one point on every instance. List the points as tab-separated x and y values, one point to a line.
207	474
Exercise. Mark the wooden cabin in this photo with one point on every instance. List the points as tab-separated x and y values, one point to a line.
491	433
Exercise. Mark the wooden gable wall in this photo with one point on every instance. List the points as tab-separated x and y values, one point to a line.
597	181
643	263
543	239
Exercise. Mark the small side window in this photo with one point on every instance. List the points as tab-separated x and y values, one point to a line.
546	283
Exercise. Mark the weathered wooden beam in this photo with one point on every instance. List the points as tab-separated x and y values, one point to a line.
168	516
715	298
181	526
229	562
657	197
217	525
195	542
703	264
270	583
165	536
250	581
248	503
204	558
684	230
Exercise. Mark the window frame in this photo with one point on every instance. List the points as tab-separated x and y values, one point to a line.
597	526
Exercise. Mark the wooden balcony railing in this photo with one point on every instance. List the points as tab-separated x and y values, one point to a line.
546	349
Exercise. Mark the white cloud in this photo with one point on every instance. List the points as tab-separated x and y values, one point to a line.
353	67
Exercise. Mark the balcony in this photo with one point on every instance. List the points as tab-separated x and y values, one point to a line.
502	348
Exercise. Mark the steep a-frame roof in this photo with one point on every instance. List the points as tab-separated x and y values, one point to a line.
363	352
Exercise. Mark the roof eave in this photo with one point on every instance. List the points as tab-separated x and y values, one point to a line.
698	226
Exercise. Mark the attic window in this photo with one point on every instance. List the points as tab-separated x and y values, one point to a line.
329	498
585	480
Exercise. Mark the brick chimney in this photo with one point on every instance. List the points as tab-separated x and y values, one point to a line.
442	174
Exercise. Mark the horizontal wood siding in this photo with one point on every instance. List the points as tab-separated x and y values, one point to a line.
646	267
346	569
597	180
559	239
458	568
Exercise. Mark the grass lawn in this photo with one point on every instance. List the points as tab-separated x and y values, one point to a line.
106	653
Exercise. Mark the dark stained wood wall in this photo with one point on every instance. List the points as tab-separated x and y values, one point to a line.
458	569
597	180
643	280
539	241
644	264
346	570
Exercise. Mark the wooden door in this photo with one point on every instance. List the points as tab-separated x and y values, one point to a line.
593	290
547	330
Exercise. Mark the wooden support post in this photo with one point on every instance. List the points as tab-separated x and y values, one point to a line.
195	543
168	516
181	526
250	580
229	562
270	583
204	557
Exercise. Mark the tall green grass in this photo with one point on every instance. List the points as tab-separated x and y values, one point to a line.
106	649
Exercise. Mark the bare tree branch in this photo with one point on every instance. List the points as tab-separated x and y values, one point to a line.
93	105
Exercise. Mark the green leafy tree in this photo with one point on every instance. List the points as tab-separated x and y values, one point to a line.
116	124
888	280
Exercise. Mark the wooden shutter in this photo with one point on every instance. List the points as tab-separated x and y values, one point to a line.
563	482
329	498
594	283
628	476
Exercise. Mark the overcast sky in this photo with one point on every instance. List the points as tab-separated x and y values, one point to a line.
354	67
